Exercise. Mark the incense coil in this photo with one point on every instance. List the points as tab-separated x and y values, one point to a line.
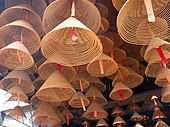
19	78
143	50
94	106
161	123
165	94
104	27
22	10
58	11
15	91
63	50
133	107
107	44
66	113
97	83
133	18
44	115
117	111
102	123
93	94
79	80
104	11
75	102
48	67
156	116
12	32
3	71
55	88
38	5
118	4
16	56
38	83
132	51
131	63
115	95
60	115
155	43
17	111
109	66
131	81
122	72
31	71
162	75
136	117
155	63
119	122
119	55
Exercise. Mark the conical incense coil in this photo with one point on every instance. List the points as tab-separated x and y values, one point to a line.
59	11
119	121
22	10
38	5
77	46
102	123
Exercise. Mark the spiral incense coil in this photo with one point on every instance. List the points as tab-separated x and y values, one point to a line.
118	4
38	5
25	12
13	31
59	10
104	11
64	50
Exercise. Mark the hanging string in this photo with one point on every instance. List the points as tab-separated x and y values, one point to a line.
121	76
149	9
73	10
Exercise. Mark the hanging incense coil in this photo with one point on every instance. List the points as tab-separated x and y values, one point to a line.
133	107
136	117
155	63
102	123
19	78
38	83
13	31
122	72
132	22
138	125
97	83
58	11
161	123
67	115
85	124
63	50
119	55
162	78
132	63
60	115
45	114
16	56
115	38
155	43
95	107
118	4
117	111
159	105
81	69
104	27
80	82
92	1
107	44
22	10
55	88
119	121
158	114
17	91
2	43
104	11
143	50
78	100
48	67
93	94
120	92
38	5
132	51
141	69
17	112
108	67
31	71
131	81
165	94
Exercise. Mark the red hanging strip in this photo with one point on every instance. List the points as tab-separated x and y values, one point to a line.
160	52
159	115
95	114
67	119
121	94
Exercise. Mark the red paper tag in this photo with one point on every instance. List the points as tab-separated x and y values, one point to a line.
95	114
160	52
121	94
